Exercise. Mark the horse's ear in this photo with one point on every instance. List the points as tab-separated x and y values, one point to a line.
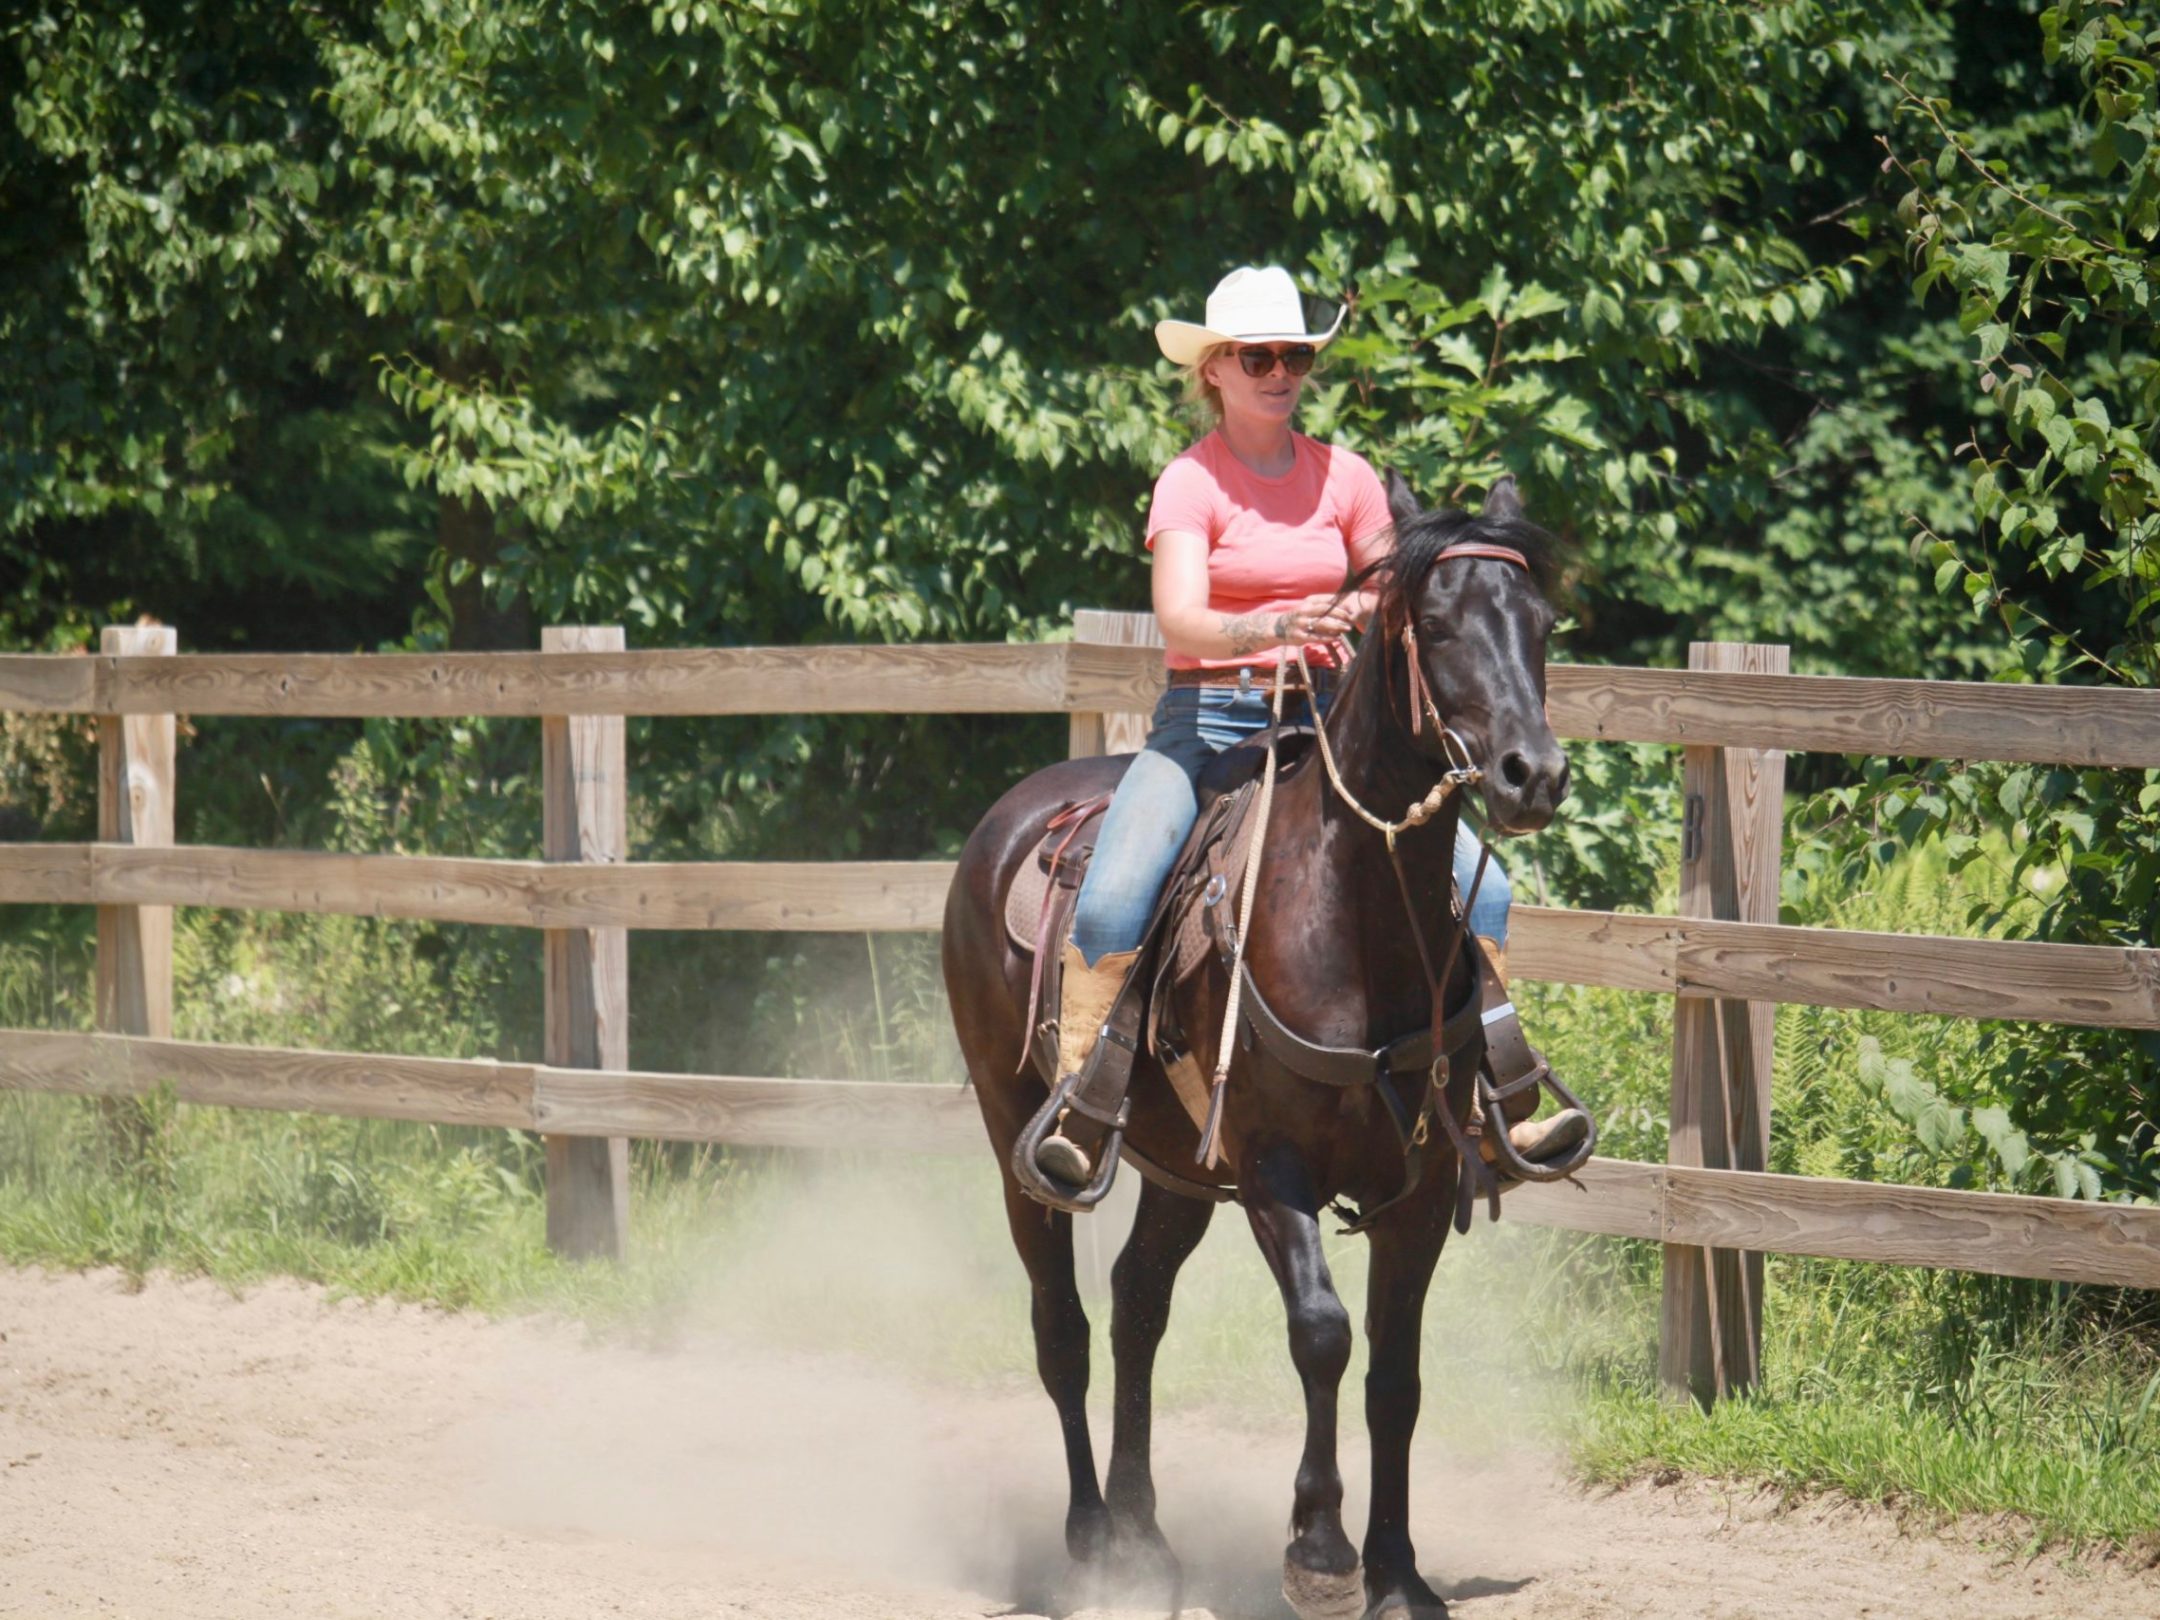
1402	504
1501	501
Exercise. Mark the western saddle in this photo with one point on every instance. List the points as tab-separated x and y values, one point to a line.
1194	920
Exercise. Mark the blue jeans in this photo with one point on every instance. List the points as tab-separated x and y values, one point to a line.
1147	823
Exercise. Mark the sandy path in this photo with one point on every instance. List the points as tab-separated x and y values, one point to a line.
181	1453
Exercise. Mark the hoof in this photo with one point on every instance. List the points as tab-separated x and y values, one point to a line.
1144	1560
1087	1534
1419	1604
1319	1596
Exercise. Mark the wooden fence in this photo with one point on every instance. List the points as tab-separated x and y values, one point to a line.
1734	712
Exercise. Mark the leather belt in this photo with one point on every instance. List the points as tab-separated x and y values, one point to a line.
1248	677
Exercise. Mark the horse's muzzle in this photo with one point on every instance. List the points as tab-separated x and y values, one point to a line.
1524	788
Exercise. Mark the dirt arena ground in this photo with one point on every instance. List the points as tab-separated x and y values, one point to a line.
179	1453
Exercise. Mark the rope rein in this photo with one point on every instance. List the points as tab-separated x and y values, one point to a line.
1460	772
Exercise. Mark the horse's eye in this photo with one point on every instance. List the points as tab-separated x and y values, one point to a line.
1432	629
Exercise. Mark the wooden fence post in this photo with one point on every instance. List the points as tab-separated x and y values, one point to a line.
1112	733
1099	1235
1732	842
136	760
585	817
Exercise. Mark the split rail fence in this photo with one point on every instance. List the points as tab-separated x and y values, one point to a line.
1734	712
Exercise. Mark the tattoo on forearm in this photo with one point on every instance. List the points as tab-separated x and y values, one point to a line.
1250	632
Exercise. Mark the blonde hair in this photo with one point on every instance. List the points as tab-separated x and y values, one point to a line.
1204	398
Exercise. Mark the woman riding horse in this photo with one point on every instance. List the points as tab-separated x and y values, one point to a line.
1253	530
1357	1056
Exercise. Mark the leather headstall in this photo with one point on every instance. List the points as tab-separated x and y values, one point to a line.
1421	703
1481	548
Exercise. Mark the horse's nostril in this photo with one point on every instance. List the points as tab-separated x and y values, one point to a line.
1515	770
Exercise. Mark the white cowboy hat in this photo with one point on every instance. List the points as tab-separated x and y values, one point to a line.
1247	306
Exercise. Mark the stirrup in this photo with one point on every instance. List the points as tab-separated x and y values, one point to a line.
1044	1188
1508	1161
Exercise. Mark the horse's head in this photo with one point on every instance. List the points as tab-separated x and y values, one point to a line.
1470	630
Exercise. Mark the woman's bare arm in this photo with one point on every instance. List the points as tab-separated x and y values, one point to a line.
1191	627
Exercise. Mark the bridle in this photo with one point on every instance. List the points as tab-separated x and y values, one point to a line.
1461	772
1450	1036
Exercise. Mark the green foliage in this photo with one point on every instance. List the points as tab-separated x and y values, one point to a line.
1607	850
2042	232
349	326
185	425
2040	224
2056	854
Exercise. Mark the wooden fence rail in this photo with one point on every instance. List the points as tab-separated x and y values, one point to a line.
1820	713
2096	985
2002	1234
1714	1208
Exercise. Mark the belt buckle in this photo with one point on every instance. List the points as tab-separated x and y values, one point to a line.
1244	679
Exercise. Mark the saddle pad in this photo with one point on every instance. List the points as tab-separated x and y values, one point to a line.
1030	887
1024	902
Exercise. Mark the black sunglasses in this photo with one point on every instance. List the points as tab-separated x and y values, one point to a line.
1296	359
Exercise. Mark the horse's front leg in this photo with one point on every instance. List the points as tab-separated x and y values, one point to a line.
1405	1247
1320	1567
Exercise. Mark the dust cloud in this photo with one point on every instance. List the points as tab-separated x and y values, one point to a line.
177	1449
847	1386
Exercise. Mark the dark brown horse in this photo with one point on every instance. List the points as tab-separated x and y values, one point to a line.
1336	956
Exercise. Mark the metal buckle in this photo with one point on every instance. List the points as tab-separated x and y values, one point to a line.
1217	887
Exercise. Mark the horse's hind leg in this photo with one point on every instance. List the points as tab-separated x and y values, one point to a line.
1320	1567
1044	1239
1404	1250
1166	1229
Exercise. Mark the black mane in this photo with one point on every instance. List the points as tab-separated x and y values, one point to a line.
1419	542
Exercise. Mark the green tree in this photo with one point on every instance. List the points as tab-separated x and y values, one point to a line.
2041	228
776	322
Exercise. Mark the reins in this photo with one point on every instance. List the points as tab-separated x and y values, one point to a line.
1460	773
1211	1131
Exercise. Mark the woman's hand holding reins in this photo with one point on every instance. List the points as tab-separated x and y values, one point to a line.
1318	618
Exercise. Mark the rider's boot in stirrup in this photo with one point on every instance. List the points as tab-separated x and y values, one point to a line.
1084	1001
1535	1139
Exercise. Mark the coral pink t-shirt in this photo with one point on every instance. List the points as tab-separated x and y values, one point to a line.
1272	542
